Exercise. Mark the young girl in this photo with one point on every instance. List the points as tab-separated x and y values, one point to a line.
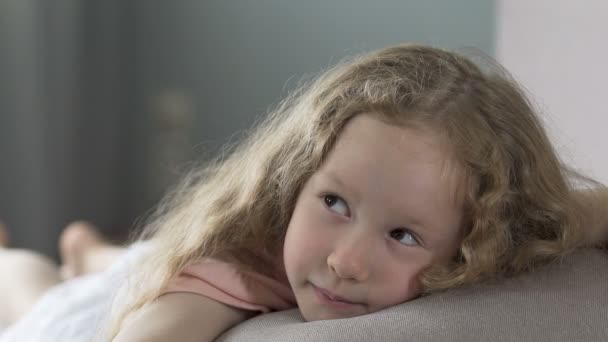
402	172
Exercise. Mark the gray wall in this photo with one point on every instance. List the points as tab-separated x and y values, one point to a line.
64	117
237	56
101	102
36	102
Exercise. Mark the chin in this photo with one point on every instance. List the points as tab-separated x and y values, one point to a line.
323	316
308	317
312	315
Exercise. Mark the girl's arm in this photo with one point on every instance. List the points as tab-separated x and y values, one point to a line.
594	204
181	317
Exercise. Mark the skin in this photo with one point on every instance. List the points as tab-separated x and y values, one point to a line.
379	211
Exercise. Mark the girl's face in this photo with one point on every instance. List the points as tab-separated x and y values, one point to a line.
379	211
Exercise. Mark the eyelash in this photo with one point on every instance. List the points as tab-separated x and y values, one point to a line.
406	231
327	198
335	197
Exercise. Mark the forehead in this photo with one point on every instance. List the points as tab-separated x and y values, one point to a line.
407	170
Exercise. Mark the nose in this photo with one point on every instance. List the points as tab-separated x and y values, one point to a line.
351	258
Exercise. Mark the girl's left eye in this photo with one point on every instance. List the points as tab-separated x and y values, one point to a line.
336	204
405	237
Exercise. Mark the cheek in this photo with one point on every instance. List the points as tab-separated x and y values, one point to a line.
303	247
404	289
400	284
297	249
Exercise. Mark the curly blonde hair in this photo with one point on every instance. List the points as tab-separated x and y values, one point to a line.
517	194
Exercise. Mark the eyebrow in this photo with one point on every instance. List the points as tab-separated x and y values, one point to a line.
332	177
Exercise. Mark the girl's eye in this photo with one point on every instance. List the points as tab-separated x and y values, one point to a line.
405	237
336	204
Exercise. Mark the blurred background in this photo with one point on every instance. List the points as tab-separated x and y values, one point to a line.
103	103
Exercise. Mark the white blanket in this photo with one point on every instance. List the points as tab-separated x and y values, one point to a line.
75	310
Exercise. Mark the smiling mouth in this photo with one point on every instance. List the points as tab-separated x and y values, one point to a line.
329	297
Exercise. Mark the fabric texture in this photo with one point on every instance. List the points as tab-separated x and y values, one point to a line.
231	285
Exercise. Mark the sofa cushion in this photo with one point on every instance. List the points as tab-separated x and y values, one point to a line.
564	301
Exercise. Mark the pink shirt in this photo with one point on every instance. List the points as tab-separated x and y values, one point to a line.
231	285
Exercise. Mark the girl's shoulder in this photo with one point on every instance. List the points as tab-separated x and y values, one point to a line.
233	284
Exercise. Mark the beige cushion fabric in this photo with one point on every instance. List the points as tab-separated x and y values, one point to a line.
560	302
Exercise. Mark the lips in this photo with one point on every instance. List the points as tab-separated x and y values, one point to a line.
333	296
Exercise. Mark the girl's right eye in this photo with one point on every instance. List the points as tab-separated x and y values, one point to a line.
336	204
